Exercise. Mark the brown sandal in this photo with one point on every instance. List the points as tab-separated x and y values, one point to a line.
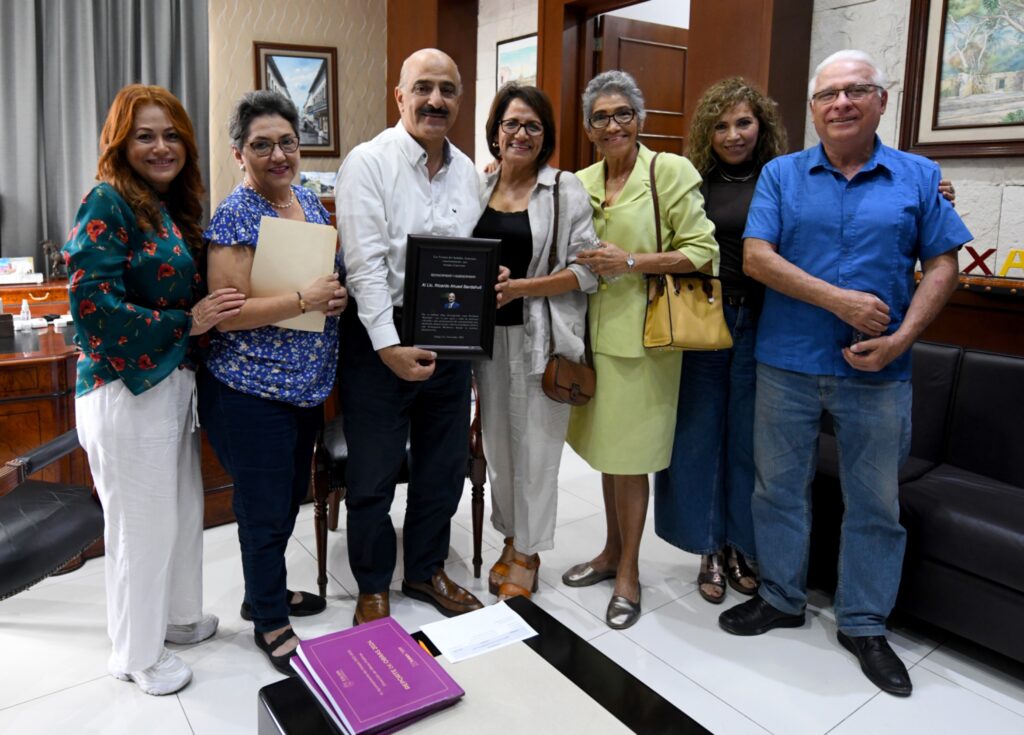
712	574
499	572
741	577
511	589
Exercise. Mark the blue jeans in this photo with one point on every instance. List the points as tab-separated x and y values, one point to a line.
267	447
702	501
872	425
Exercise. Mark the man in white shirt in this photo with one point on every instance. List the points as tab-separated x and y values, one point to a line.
408	180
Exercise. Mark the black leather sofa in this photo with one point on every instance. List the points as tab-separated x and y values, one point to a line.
961	498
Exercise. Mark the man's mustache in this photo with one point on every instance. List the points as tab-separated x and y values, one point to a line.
431	110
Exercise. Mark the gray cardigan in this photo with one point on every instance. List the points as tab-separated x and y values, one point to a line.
575	229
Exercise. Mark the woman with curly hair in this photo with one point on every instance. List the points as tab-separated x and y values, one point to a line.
137	299
702	501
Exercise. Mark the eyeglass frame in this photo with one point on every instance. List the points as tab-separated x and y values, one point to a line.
817	99
521	126
614	116
277	143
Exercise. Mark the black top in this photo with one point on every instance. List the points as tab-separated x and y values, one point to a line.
515	253
727	193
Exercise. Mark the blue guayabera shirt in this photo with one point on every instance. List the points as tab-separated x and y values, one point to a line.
864	234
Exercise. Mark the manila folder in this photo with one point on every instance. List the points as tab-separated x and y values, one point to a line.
289	255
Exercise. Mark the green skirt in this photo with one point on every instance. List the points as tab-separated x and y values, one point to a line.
628	426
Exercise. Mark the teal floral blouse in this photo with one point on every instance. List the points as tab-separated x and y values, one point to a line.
130	293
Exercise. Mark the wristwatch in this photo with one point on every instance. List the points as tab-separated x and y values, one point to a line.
630	261
302	302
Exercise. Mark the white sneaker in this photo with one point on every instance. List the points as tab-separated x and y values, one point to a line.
166	676
184	635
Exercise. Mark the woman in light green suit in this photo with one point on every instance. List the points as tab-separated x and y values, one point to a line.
626	431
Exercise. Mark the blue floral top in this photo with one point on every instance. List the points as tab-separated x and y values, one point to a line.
130	294
281	364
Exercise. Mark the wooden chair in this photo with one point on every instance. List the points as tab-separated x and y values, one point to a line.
330	458
43	525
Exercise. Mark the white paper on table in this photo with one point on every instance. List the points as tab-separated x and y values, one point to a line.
289	255
477	632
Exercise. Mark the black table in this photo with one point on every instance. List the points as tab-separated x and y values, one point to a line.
287	708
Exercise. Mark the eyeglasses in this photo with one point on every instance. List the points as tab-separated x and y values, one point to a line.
622	117
511	127
854	93
263	148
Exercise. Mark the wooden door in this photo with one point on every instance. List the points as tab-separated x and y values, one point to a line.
655	55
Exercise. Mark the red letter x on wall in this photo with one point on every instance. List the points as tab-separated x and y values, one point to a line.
979	260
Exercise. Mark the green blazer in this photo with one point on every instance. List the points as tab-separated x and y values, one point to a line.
616	311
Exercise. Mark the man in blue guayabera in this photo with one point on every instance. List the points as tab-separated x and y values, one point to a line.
835	233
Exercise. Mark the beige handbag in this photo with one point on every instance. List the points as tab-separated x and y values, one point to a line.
684	311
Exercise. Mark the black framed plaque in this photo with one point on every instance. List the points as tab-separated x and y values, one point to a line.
450	302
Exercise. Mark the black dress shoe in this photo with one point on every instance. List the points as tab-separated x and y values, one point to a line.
879	663
755	617
308	604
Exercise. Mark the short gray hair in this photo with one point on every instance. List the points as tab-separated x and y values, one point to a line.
849	54
613	82
258	104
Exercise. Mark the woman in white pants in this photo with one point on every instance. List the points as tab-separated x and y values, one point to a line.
135	297
543	311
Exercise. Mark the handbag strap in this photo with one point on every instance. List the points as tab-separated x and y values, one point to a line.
553	252
654	197
705	279
552	261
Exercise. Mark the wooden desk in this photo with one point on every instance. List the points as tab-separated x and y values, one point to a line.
43	298
37	398
37	403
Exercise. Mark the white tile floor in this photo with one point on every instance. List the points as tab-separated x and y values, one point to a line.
53	647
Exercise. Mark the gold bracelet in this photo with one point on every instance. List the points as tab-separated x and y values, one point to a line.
302	302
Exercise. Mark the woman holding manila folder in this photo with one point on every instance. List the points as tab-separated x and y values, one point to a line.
137	298
267	373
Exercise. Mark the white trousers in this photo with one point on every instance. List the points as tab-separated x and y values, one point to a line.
144	457
523	433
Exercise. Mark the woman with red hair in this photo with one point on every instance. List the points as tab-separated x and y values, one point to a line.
137	299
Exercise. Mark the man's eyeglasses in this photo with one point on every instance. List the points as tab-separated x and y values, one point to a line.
511	127
263	148
854	93
622	117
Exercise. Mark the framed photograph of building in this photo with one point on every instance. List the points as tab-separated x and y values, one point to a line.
308	75
964	92
516	61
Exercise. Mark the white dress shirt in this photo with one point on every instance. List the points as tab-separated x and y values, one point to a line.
383	195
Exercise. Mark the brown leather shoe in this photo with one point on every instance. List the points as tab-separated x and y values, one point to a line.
371	607
441	592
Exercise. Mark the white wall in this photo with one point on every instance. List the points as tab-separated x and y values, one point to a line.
499	20
990	192
667	12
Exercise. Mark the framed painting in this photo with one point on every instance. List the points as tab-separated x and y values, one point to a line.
516	61
964	93
308	76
